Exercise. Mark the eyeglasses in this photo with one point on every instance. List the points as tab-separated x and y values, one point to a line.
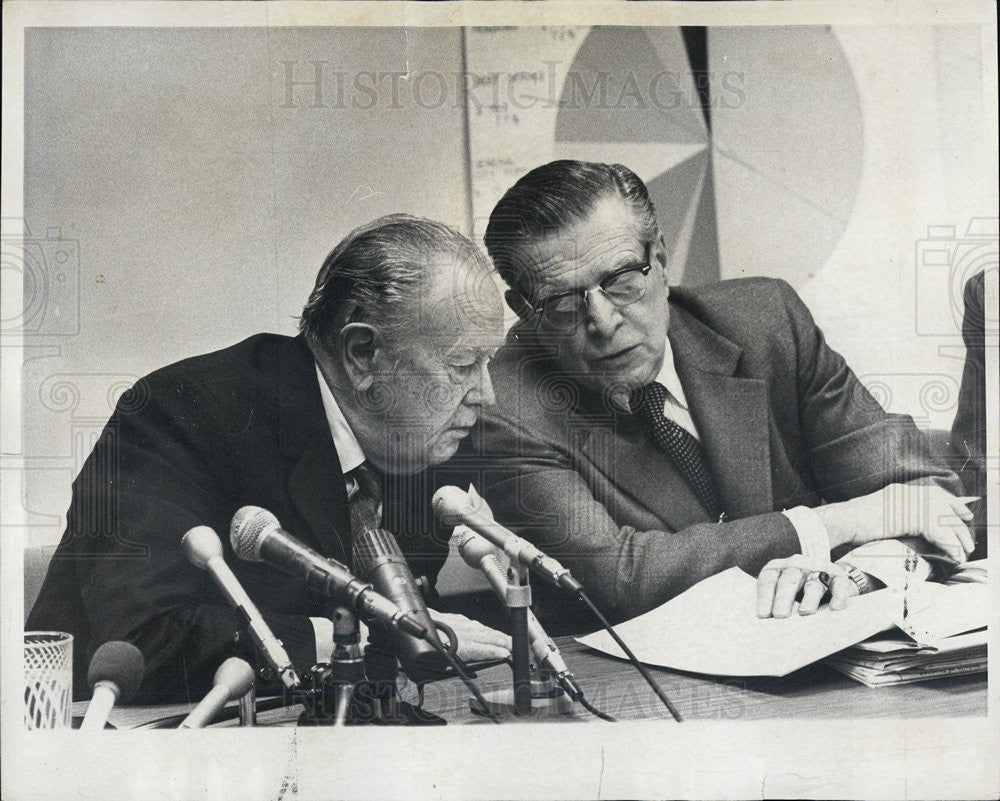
622	288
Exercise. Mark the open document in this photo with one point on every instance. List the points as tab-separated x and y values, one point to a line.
713	627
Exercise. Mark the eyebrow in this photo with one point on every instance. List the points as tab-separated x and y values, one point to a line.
474	351
634	264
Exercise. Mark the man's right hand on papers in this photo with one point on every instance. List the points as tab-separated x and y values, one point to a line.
779	583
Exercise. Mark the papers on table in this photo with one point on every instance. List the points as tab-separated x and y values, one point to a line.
713	628
897	659
936	611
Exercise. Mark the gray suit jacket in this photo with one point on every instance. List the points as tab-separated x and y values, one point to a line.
783	420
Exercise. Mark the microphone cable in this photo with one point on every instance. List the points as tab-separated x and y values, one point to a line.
593	710
574	692
632	658
451	654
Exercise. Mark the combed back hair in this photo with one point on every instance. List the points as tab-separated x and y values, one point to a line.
376	273
548	199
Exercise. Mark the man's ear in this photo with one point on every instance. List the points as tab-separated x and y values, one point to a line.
660	255
517	304
360	345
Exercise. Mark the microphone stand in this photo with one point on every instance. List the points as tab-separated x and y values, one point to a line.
248	707
535	690
382	670
356	690
519	601
248	702
331	701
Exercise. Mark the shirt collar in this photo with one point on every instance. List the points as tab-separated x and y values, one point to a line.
669	378
348	448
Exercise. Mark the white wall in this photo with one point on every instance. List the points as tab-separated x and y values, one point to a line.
929	167
197	206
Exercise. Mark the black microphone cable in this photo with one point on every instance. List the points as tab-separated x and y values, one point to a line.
571	687
628	652
593	710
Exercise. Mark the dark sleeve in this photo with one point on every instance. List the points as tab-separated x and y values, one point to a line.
533	487
854	446
156	472
968	431
969	427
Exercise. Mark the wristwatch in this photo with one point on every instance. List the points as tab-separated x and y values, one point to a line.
860	579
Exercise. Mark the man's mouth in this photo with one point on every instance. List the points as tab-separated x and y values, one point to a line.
614	358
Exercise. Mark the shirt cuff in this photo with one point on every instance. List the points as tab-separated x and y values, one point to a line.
890	561
814	541
323	632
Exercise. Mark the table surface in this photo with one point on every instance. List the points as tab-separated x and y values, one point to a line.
615	687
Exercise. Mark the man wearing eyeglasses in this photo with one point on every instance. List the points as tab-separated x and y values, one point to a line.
650	436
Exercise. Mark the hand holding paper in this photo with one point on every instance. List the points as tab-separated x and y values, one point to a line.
779	583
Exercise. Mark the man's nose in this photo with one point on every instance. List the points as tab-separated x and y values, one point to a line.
602	316
481	393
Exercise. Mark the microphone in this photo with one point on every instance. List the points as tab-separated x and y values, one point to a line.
453	507
479	554
203	548
257	536
233	679
379	560
114	675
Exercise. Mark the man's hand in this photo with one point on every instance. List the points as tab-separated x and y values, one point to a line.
900	510
476	642
781	579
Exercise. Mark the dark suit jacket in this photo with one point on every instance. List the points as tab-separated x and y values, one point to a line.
189	445
968	431
782	418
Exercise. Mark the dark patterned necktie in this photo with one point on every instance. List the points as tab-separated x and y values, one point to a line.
683	449
364	497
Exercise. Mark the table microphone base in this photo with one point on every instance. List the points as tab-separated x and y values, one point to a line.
367	711
547	701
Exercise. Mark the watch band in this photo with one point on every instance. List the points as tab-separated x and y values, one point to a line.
859	578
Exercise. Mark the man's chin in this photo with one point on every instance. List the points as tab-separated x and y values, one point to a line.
617	382
445	450
439	452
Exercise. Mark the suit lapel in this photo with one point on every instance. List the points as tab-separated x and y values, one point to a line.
636	467
730	413
315	484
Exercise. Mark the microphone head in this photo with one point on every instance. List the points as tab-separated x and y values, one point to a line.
471	547
372	546
247	531
120	663
200	544
449	504
236	675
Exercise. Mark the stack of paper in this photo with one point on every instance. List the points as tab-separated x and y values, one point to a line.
713	628
889	659
943	633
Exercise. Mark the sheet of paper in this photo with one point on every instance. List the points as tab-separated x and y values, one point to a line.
713	628
895	641
935	611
